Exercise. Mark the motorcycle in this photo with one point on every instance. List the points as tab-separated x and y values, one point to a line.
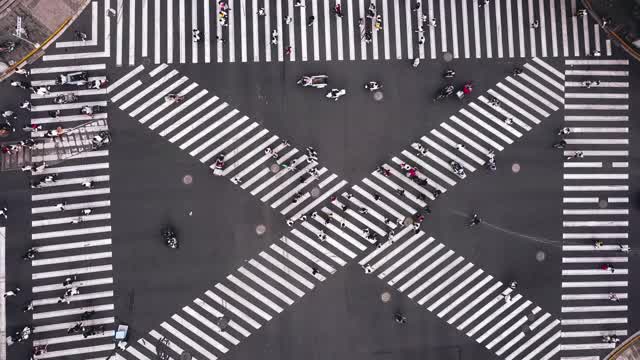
457	169
373	86
316	81
65	99
335	94
170	238
449	74
445	92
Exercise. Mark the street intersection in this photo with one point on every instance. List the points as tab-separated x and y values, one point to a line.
335	218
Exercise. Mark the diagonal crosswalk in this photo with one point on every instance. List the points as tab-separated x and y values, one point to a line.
279	30
333	225
595	206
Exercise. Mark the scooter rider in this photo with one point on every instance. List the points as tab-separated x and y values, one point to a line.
372	86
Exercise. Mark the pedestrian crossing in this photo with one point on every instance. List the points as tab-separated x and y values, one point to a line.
292	182
285	30
333	225
482	307
71	222
595	207
73	245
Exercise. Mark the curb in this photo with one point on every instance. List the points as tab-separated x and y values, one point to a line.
625	345
39	51
630	50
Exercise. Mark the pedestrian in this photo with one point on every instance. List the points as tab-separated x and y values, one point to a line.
400	192
322	236
311	20
4	211
196	35
517	71
483	3
376	197
25	105
314	271
424	18
598	244
416	227
68	281
363	211
221	39
513	285
111	12
613	297
288	50
367	269
595	53
24	71
581	12
420	29
475	220
416	62
535	24
399	318
86	211
288	20
338	10
508	120
494	102
12	292
433	23
54	113
89	184
459	147
560	144
261	12
624	248
577	154
80	35
416	7
298	3
421	40
608	267
507	298
28	307
61	205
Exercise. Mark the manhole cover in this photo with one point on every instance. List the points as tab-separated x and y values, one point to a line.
385	297
515	168
378	96
408	221
447	57
185	356
275	168
187	179
603	204
541	255
261	229
315	192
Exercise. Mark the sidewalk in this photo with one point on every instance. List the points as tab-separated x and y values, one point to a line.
623	19
629	350
42	20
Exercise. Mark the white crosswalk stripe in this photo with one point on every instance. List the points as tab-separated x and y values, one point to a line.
338	223
594	272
